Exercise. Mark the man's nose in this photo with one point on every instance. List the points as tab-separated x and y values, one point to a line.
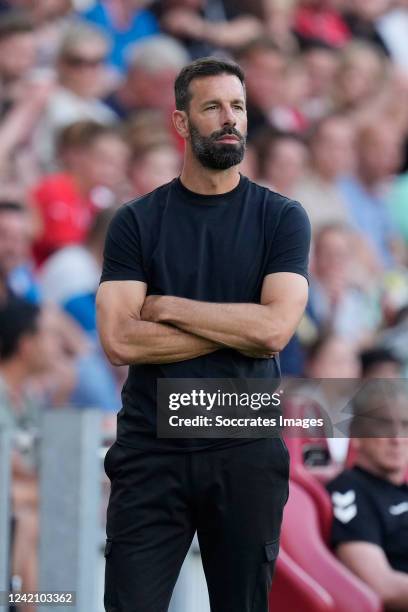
228	117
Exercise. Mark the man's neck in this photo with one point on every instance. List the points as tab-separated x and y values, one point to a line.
397	477
207	181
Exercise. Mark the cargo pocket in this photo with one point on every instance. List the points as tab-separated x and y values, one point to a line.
109	599
265	575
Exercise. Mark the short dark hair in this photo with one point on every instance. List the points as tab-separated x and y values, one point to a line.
18	318
256	45
84	133
11	206
203	67
377	355
15	22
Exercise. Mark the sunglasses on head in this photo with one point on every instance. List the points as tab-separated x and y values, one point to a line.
76	61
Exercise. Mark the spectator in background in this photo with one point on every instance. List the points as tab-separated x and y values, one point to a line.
281	161
51	19
124	22
23	96
152	66
392	26
362	18
360	81
320	61
379	153
152	166
147	127
370	500
27	349
318	19
331	156
331	356
82	81
379	362
17	56
16	276
70	278
278	16
94	160
205	26
335	299
264	65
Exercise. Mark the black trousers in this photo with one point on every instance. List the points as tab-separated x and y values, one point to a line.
233	497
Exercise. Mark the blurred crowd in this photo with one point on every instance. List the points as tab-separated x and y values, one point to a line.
86	96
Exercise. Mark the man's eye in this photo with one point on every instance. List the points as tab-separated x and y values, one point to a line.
239	107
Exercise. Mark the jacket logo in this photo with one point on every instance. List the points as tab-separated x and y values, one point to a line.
398	508
344	506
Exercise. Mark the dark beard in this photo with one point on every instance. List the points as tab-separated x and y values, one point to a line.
216	155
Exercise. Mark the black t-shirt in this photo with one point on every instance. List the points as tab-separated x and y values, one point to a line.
213	248
368	508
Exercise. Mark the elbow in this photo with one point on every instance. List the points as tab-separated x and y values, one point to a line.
272	342
115	354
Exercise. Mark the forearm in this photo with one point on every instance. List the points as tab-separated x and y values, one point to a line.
234	33
147	342
395	597
244	327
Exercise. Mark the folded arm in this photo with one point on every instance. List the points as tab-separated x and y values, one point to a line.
127	339
368	561
254	329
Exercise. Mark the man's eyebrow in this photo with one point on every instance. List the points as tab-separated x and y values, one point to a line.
217	101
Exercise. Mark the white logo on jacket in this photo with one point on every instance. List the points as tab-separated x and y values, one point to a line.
344	506
398	508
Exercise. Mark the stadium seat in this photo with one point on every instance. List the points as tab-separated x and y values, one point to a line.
301	539
304	478
293	589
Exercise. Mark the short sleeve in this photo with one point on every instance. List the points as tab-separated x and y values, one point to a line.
122	256
355	517
290	248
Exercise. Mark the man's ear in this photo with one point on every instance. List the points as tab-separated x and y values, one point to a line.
180	121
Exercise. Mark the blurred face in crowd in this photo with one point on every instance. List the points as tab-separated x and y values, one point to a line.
358	76
264	78
286	163
370	10
333	255
103	162
297	86
332	148
314	3
82	68
385	369
154	89
155	167
17	55
39	349
215	124
379	151
14	240
321	65
50	9
388	456
336	359
193	5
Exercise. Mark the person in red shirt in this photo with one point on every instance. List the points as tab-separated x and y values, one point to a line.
94	160
317	19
